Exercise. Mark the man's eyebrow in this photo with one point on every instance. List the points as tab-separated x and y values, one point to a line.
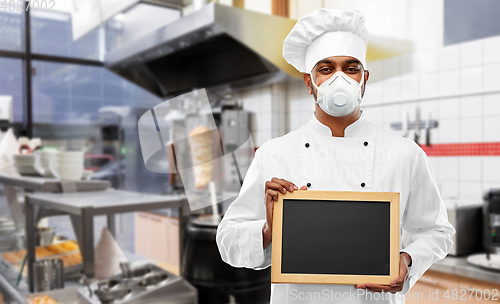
348	61
325	61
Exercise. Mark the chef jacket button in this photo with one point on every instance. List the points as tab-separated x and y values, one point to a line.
363	184
366	143
308	185
307	145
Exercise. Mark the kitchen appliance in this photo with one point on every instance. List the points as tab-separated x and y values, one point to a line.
238	121
466	218
179	4
491	214
491	231
146	284
218	282
202	49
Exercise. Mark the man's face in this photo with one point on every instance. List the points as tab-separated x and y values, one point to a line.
325	68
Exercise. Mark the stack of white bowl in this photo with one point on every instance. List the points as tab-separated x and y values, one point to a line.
67	165
42	163
25	164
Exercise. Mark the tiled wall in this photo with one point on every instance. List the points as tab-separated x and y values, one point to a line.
268	105
258	101
458	85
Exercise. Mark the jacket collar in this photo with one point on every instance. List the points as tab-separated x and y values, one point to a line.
356	129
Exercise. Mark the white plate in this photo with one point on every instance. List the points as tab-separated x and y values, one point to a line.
25	161
25	157
480	260
27	171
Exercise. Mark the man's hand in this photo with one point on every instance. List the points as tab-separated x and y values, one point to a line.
397	283
273	188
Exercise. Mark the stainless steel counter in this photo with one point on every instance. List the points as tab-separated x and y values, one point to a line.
83	206
459	266
104	202
50	184
41	184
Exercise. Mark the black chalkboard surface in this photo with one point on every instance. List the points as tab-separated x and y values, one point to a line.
336	237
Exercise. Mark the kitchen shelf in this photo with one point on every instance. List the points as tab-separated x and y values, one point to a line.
83	206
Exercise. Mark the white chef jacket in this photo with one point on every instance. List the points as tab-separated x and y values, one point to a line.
367	158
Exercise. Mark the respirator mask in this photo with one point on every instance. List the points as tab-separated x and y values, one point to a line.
339	95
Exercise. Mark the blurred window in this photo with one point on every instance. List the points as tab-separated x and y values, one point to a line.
11	84
11	30
75	93
67	99
51	34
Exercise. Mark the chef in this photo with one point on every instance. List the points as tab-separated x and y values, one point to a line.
337	150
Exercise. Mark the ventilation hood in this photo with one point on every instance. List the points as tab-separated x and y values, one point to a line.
217	47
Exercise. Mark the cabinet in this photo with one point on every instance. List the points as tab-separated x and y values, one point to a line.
438	287
157	237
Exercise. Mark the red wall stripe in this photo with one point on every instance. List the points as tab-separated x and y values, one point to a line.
463	149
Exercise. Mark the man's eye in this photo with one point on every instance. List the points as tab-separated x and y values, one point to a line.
325	70
352	69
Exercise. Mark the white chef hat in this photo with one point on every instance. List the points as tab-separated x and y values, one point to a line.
325	33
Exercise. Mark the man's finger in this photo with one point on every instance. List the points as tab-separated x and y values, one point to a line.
273	194
303	187
378	287
373	285
269	201
276	186
286	184
397	282
386	290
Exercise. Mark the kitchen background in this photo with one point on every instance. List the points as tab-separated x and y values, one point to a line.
432	63
451	75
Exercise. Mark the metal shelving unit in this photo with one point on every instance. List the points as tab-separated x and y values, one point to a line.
82	207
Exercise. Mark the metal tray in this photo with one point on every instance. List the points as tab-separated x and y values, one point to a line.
156	287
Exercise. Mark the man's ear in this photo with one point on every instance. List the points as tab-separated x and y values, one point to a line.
367	75
307	81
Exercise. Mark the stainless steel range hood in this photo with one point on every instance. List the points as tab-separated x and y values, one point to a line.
218	47
169	3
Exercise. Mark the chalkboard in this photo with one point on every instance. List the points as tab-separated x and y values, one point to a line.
336	237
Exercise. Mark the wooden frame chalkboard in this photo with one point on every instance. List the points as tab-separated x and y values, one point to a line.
335	237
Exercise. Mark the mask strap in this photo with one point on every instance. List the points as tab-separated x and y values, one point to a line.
312	80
